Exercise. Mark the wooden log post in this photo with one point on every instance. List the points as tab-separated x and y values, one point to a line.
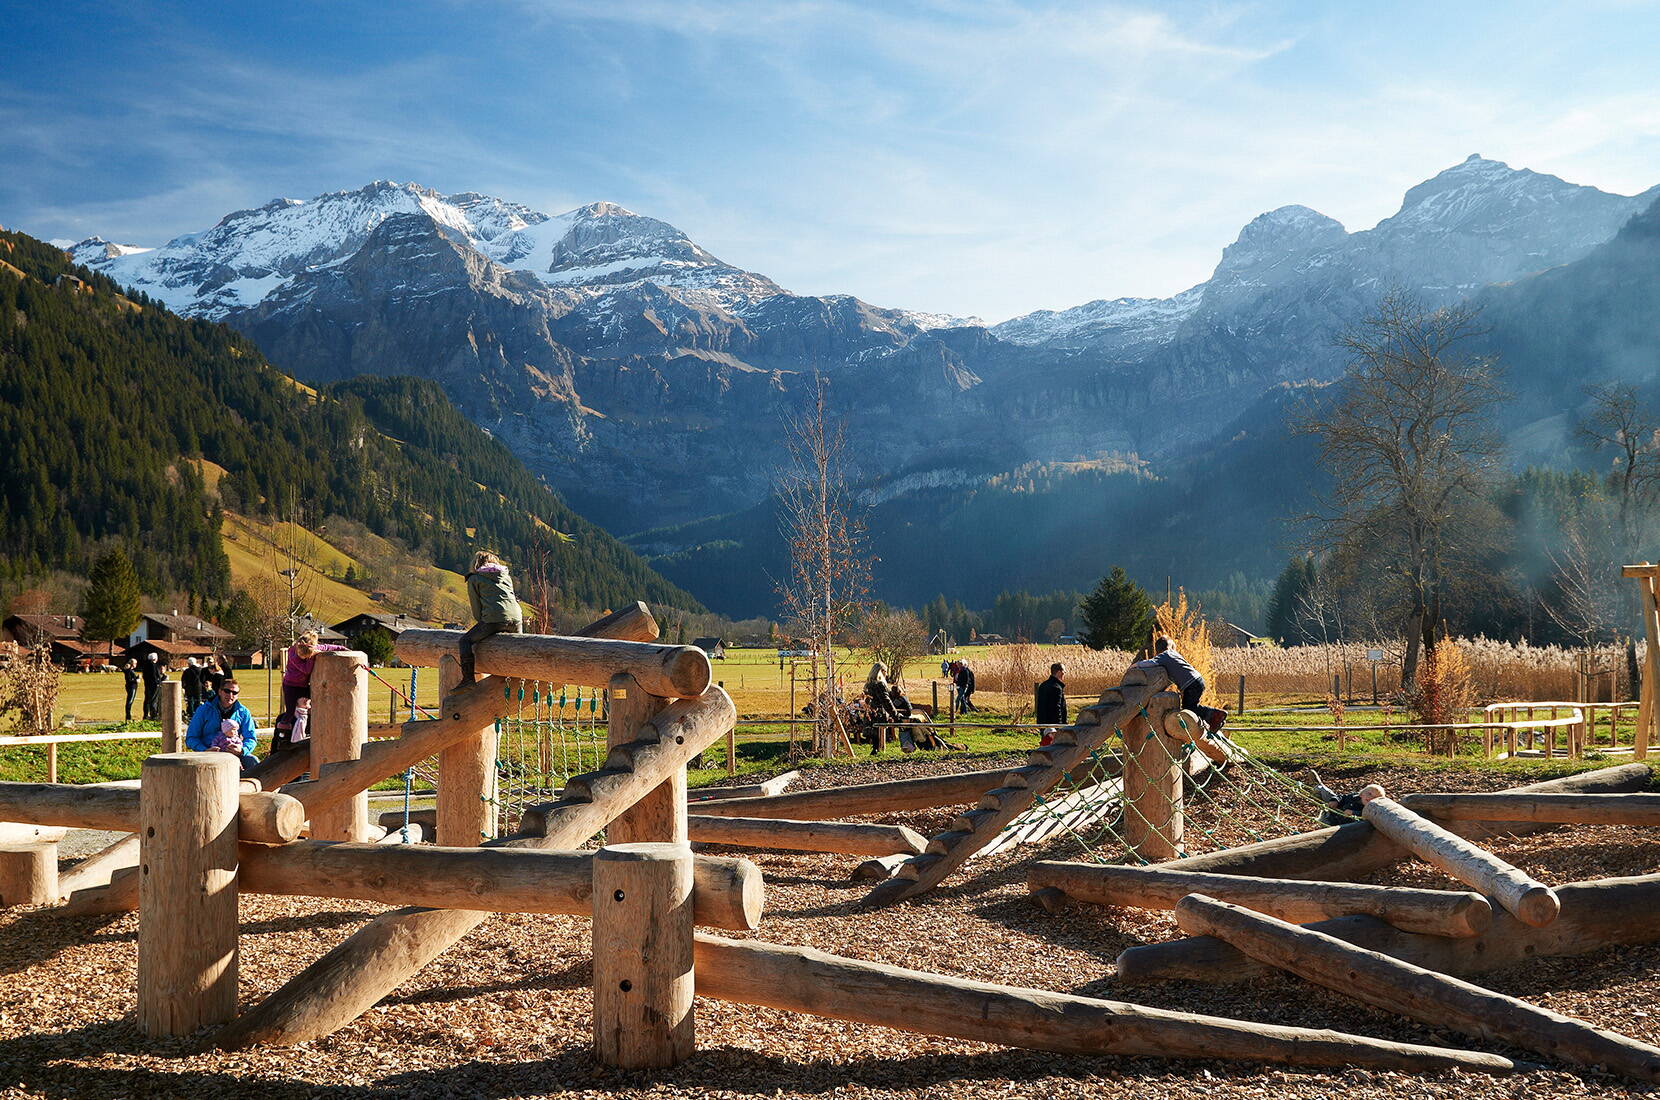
1432	912
172	716
29	873
1520	893
643	981
840	837
803	980
187	932
339	728
661	814
1153	819
1415	992
467	773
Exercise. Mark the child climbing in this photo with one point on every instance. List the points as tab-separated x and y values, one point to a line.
296	684
1186	679
495	607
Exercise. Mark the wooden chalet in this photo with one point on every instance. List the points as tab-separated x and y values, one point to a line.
170	654
175	629
714	647
29	631
374	620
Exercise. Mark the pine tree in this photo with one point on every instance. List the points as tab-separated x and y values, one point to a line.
111	609
1288	618
1117	615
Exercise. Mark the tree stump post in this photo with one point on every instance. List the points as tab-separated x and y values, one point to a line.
339	727
187	892
29	873
1153	820
661	815
172	716
643	948
466	776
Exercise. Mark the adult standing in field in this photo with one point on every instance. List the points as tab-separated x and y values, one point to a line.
191	679
129	676
963	677
223	724
215	672
152	674
1050	704
1186	679
495	607
296	683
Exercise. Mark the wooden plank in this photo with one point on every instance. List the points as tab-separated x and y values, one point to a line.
1412	991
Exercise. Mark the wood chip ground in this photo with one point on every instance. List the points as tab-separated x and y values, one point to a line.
507	1013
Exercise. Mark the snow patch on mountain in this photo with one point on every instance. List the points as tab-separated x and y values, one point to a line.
1129	320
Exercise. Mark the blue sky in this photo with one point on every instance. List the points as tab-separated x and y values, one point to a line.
974	158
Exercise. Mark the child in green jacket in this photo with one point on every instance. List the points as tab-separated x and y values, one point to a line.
495	607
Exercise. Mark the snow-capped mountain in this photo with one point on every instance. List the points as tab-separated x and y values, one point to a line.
643	375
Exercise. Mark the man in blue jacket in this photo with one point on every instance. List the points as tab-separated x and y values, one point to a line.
222	724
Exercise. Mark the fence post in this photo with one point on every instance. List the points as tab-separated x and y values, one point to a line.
187	892
1242	693
339	727
643	955
661	814
1374	665
172	706
1336	686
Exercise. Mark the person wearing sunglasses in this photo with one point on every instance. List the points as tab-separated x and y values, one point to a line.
223	724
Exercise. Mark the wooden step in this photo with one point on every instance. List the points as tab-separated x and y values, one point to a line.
946	841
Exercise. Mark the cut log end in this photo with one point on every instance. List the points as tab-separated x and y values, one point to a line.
1538	907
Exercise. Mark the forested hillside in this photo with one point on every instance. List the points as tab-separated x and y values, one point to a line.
102	397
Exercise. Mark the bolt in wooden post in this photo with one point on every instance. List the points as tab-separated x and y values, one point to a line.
661	814
1153	818
643	955
466	777
172	720
339	726
187	931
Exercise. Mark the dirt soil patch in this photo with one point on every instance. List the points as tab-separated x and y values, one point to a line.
508	1012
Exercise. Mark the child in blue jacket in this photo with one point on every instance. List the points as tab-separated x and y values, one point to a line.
222	724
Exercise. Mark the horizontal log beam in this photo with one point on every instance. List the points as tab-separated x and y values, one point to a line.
1596	914
269	818
1432	912
670	671
774	786
1554	809
1350	851
1520	893
1417	993
725	892
839	837
803	980
895	796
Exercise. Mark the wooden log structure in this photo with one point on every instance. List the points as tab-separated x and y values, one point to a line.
879	868
840	837
1350	851
894	796
1520	893
1431	912
348	980
23	832
173	720
671	671
1554	809
340	726
29	873
1596	914
466	800
187	934
1412	991
643	987
268	818
1154	823
804	980
660	813
726	892
771	787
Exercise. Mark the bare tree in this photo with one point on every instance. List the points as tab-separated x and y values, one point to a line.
1587	597
1616	422
829	571
893	638
1410	450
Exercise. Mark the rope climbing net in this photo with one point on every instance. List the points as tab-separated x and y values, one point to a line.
1224	804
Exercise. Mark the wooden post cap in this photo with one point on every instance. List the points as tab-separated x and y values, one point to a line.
645	851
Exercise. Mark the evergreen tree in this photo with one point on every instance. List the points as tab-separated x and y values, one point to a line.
1287	607
376	644
111	609
1117	615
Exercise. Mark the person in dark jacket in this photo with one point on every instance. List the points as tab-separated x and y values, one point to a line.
963	676
1185	679
1051	702
191	680
495	607
129	674
152	674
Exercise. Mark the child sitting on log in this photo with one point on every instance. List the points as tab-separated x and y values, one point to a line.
495	607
